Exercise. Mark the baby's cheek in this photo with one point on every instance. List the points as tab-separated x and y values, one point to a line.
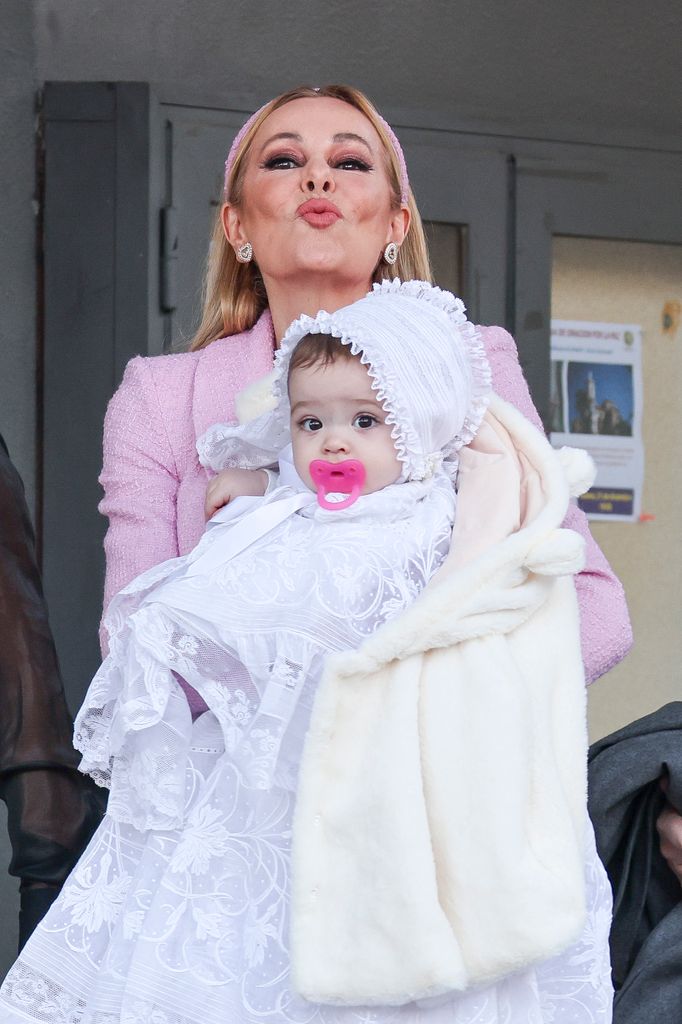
302	460
393	469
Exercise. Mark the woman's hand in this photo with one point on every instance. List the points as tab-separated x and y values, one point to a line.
231	484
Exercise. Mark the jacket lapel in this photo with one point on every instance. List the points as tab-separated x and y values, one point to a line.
225	367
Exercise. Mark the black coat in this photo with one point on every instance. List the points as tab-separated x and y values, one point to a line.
625	800
52	809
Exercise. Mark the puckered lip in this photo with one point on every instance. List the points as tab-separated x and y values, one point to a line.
314	208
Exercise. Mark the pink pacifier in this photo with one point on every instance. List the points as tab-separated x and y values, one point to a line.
337	478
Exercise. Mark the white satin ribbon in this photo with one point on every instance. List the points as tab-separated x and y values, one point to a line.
251	528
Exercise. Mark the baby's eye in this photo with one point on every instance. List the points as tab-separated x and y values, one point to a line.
364	420
310	423
281	162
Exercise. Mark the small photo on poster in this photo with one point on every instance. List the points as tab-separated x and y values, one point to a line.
600	399
596	404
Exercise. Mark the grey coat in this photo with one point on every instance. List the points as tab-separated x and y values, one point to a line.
624	801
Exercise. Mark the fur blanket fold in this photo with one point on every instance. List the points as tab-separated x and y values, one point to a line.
438	839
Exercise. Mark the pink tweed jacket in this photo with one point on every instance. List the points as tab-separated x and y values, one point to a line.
154	485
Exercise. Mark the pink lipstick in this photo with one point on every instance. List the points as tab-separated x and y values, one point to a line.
319	213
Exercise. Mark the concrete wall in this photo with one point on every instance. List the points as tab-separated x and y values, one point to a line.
596	71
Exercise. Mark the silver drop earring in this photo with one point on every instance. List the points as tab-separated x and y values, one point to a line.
245	253
391	253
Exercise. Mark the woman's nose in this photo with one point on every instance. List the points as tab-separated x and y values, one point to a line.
318	178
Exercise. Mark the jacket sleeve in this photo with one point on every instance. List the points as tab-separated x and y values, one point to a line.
52	810
140	482
606	633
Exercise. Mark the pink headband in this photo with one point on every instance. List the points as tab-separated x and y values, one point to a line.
404	181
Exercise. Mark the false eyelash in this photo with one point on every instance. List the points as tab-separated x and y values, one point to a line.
269	163
362	164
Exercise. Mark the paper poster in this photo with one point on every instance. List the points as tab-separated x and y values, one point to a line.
596	404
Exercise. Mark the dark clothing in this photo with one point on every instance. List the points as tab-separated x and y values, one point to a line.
625	800
52	809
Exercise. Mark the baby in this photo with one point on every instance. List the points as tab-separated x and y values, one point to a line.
386	729
335	416
369	408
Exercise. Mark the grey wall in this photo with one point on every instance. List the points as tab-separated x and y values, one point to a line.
603	71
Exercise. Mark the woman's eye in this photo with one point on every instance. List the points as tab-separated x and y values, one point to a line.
281	162
352	163
363	420
310	423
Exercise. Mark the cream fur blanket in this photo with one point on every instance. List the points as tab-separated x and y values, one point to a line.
438	839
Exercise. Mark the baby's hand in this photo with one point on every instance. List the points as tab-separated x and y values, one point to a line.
234	483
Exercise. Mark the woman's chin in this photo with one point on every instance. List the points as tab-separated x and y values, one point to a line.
331	260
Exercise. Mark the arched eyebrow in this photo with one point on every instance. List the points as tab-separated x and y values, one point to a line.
281	135
352	137
339	137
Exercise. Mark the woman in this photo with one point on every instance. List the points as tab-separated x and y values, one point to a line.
317	207
317	201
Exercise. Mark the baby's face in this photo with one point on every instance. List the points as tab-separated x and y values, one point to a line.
335	416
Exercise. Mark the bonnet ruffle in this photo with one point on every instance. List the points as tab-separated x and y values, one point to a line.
428	367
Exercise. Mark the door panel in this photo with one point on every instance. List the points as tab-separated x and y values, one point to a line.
448	251
197	144
462	181
100	308
580	191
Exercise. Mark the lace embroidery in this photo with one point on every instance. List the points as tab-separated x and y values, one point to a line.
319	582
178	912
206	934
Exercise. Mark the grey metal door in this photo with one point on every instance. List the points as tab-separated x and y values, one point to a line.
100	307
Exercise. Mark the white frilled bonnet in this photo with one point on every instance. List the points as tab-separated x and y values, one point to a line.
427	364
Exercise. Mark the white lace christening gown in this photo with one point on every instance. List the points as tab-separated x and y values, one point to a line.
178	911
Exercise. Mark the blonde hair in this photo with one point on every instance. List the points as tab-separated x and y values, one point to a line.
233	293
